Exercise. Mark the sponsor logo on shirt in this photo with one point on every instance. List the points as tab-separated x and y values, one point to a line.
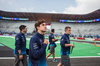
35	46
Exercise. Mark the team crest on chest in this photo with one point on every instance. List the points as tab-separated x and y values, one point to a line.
22	36
41	40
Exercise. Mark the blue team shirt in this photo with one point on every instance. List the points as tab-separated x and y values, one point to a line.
65	40
20	43
52	43
37	51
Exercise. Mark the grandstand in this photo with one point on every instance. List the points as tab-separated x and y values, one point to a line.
12	26
86	28
78	28
9	21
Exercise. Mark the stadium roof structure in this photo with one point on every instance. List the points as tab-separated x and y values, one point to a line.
51	17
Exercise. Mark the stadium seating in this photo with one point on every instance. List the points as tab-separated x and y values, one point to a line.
78	28
13	26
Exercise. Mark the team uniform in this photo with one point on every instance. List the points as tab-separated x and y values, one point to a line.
37	51
65	51
20	44
52	44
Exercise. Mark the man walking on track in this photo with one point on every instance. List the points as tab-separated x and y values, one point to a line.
20	47
52	45
38	44
65	48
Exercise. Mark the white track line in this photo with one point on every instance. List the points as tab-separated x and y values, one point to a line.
56	57
7	58
81	57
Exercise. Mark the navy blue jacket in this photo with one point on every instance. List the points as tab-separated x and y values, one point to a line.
37	51
65	40
51	36
51	43
20	43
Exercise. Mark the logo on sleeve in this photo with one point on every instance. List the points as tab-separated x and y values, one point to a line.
35	46
17	38
62	39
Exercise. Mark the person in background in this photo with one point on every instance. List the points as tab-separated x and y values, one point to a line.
20	47
52	45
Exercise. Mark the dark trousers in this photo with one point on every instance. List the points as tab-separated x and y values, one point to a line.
65	60
17	60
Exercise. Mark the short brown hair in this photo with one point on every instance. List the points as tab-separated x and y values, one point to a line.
67	27
39	22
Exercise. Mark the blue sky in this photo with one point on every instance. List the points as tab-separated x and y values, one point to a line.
51	6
